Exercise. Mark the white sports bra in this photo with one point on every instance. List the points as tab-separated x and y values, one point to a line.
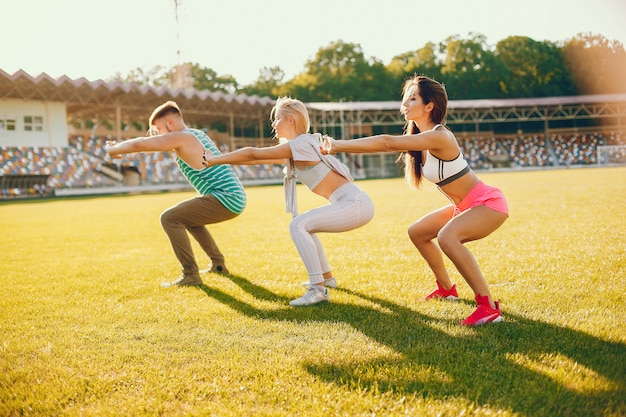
312	175
443	172
306	147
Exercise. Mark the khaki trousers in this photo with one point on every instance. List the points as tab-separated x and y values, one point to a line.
191	216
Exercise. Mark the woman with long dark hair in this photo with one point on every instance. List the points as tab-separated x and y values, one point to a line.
431	151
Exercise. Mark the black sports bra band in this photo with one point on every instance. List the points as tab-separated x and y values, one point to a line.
454	177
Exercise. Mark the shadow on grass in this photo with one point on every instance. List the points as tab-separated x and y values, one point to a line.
481	365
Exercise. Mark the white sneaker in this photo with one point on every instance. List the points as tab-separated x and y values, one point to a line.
313	295
330	283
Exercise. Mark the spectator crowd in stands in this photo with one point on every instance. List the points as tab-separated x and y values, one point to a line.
78	165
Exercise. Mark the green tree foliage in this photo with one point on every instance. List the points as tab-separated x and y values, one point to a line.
207	79
532	68
187	75
340	72
516	67
470	70
596	64
154	77
267	83
423	61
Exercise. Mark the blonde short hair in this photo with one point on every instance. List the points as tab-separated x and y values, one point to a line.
296	109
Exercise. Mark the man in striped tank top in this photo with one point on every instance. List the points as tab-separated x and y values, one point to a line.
221	194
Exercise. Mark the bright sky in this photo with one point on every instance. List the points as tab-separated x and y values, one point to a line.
96	39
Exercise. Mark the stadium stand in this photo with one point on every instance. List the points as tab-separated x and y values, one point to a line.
64	154
80	164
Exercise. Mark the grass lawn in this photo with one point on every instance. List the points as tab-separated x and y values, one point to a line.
86	329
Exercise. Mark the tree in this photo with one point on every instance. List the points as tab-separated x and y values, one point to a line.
267	83
207	79
518	66
154	77
200	78
339	72
470	70
424	61
597	65
533	69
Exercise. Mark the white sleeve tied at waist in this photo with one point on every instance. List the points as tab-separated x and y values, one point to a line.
289	185
306	147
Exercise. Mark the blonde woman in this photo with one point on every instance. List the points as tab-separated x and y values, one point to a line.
324	175
476	210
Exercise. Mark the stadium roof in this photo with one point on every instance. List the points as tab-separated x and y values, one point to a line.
107	100
476	104
610	107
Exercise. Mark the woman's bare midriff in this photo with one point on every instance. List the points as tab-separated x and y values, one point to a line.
460	187
329	184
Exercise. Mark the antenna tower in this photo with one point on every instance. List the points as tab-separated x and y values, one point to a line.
177	3
182	74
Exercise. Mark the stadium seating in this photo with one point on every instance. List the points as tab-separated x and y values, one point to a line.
78	165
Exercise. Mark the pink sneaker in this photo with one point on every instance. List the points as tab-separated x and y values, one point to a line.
442	293
484	313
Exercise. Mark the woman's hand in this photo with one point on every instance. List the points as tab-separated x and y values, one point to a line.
208	158
327	145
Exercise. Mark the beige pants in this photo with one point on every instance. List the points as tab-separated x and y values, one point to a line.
192	215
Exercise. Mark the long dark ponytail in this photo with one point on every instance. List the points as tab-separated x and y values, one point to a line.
430	91
412	160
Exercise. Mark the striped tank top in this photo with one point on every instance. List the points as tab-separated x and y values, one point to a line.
219	180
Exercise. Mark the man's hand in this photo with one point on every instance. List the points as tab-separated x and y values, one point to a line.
109	147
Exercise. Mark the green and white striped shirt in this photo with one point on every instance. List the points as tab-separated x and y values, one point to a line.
218	180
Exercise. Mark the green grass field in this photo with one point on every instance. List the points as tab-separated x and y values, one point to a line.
86	329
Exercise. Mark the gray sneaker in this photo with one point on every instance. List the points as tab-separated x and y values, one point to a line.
184	280
313	295
330	283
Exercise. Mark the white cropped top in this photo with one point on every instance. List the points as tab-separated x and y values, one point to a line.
312	175
443	172
306	147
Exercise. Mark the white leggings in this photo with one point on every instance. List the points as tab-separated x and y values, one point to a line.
349	208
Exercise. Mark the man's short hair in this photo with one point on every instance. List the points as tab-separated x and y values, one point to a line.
163	110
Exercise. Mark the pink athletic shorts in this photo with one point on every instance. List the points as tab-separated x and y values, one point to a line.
484	195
